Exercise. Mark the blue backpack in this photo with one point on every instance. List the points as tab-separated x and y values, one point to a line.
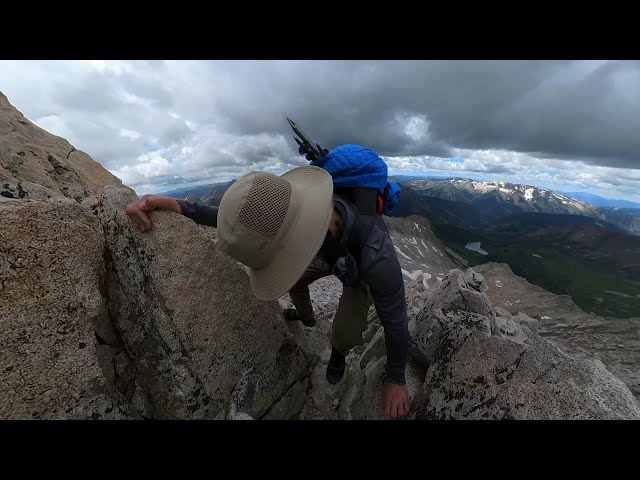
361	174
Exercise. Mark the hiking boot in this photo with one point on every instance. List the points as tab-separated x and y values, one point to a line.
335	368
291	315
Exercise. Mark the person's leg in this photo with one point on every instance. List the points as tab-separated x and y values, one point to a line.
348	325
299	293
351	318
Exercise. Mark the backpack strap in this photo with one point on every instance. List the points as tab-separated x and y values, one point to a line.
367	202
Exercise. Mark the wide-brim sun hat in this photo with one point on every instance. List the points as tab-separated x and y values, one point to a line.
275	225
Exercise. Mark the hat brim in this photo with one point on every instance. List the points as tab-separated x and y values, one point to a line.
315	188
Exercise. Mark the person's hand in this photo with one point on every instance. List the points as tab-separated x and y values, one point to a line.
138	212
395	399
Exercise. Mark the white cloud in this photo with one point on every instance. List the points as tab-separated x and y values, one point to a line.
115	67
148	167
129	134
416	127
135	100
54	124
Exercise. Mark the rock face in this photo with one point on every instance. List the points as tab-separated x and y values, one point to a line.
50	270
202	345
50	265
99	320
467	361
418	249
493	366
614	341
33	159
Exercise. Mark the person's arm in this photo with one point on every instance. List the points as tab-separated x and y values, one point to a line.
381	270
201	214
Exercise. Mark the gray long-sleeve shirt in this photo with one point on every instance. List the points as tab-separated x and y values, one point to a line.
378	267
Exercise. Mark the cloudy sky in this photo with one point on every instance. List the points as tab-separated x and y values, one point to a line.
157	125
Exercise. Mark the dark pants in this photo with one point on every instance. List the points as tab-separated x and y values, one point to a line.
351	318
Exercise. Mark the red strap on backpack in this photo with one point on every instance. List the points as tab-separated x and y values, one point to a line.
380	205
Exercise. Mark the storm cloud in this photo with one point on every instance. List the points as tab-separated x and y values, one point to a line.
156	123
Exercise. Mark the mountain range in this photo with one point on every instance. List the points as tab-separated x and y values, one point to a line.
626	218
598	201
563	245
209	194
501	198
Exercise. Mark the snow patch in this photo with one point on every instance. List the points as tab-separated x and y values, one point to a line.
401	252
618	293
528	193
413	275
545	318
483	187
536	255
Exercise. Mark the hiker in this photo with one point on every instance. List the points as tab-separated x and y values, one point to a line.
293	229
